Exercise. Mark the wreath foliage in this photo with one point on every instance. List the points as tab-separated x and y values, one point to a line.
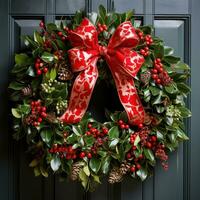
88	150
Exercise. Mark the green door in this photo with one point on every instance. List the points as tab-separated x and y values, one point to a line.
177	22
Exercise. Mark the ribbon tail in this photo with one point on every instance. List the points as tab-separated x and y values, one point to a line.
129	98
81	93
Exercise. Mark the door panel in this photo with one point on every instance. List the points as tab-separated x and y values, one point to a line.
20	17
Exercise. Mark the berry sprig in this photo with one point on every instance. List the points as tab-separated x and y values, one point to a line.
123	125
145	51
148	40
62	36
159	75
38	113
95	132
101	28
40	67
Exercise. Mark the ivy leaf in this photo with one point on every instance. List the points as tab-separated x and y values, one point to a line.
113	132
149	154
16	113
46	135
106	164
95	164
168	51
47	57
142	173
55	163
172	88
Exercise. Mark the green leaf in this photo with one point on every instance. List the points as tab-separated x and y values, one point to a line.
55	163
149	154
146	29
172	88
72	138
171	59
181	134
185	112
38	38
137	140
84	179
106	164
181	66
21	59
114	142
16	85
77	130
157	100
86	170
53	74
89	140
30	71
168	51
51	27
169	120
46	135
158	51
113	132
154	90
95	164
96	178
183	88
147	95
47	57
129	14
16	113
142	173
102	12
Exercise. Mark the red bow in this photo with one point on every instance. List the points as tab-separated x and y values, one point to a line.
122	61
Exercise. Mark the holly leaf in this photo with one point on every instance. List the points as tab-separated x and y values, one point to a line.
95	164
137	140
16	113
106	164
172	88
113	132
47	57
21	59
102	12
77	130
46	135
171	59
142	173
114	142
38	38
168	51
149	155
55	163
154	90
181	66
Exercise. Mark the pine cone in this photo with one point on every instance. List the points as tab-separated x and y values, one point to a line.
145	77
115	176
27	91
76	168
124	168
64	73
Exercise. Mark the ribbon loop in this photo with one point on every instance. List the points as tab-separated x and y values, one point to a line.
124	64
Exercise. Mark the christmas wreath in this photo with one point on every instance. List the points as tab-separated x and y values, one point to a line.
54	78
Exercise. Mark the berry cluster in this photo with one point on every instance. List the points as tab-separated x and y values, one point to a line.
145	51
148	40
123	125
62	36
40	67
95	132
42	25
159	75
38	113
101	27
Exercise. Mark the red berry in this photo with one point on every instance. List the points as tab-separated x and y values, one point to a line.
88	133
89	125
43	109
138	166
142	51
82	155
105	130
41	24
120	122
155	71
154	76
128	155
132	169
134	148
158	81
65	134
160	69
149	145
45	70
68	157
141	156
74	156
126	126
38	60
66	28
154	138
101	29
37	65
43	115
99	25
60	33
40	119
104	27
39	72
89	155
122	126
140	126
63	38
35	123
